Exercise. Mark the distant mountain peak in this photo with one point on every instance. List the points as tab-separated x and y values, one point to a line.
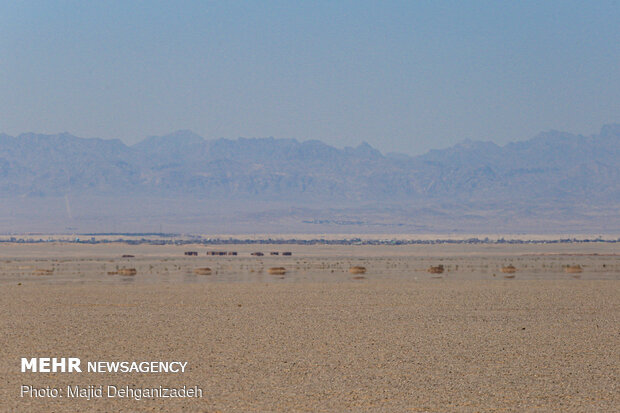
364	150
611	130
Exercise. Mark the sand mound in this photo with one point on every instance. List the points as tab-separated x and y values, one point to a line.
42	271
277	270
357	270
436	270
202	271
573	269
127	271
509	269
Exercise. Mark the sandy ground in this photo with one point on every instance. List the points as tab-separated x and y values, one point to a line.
317	340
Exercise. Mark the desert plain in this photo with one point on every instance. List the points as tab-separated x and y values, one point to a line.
316	337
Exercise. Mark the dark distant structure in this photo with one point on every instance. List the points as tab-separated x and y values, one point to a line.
191	253
274	253
287	253
257	254
128	256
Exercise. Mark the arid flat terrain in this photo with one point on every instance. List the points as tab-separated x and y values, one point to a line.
475	337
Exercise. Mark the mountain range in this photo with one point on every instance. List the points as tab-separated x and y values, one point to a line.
554	181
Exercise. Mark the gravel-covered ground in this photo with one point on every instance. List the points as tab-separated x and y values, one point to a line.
376	344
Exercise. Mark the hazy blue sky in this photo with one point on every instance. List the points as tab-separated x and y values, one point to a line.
404	76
